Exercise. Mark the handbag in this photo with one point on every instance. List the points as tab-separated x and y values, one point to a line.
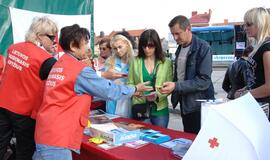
142	111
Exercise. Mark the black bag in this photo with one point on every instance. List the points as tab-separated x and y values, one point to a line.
140	111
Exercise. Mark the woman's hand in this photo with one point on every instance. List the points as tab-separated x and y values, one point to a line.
142	87
240	92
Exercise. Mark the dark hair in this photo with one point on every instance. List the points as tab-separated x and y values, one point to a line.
128	36
107	41
151	36
247	51
72	34
181	20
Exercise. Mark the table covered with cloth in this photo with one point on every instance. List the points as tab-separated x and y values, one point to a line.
90	151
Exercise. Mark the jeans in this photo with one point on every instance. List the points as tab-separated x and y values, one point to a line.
161	121
45	152
23	128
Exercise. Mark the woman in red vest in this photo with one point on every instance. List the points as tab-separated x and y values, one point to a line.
67	97
2	64
21	89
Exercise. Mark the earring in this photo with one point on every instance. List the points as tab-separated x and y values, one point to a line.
38	44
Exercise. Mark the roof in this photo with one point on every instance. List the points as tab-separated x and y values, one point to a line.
132	33
200	18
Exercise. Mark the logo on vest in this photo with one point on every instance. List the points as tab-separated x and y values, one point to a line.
54	76
17	60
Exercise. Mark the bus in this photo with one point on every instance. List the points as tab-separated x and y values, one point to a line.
227	42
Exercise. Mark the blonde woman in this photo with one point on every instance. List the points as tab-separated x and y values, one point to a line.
257	22
21	88
119	62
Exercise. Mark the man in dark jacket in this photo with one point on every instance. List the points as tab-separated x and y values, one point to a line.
192	77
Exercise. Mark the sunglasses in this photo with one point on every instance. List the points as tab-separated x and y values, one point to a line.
248	24
51	37
103	49
149	45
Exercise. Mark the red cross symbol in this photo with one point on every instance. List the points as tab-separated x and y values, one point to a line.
213	142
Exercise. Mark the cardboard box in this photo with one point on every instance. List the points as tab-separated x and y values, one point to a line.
148	132
157	138
113	134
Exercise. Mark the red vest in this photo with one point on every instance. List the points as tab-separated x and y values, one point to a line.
63	114
2	64
21	89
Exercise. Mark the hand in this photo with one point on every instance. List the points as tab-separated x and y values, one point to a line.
152	97
167	87
112	75
240	92
141	87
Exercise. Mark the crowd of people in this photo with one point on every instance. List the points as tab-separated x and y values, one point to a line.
45	98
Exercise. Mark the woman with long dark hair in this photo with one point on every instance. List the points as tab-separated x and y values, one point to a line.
151	65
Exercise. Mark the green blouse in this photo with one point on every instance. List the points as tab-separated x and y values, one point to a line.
164	73
150	77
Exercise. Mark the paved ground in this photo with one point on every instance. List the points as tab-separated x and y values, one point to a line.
217	78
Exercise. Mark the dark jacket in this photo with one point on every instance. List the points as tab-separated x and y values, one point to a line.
197	83
235	77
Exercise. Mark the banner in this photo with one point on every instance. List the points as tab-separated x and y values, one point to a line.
17	15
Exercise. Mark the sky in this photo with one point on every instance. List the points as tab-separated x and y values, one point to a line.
114	15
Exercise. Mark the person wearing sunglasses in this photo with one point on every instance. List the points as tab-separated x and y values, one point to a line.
150	65
256	22
2	65
21	88
68	93
104	53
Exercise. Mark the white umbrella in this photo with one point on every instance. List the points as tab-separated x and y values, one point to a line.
234	130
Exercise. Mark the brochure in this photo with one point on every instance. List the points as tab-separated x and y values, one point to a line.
107	146
174	142
136	144
99	119
99	112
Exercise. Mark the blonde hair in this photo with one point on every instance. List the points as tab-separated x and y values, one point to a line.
260	18
40	25
129	54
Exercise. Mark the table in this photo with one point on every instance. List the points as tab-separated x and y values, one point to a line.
97	105
90	151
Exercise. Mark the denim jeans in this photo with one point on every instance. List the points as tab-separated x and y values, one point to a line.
161	121
45	152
